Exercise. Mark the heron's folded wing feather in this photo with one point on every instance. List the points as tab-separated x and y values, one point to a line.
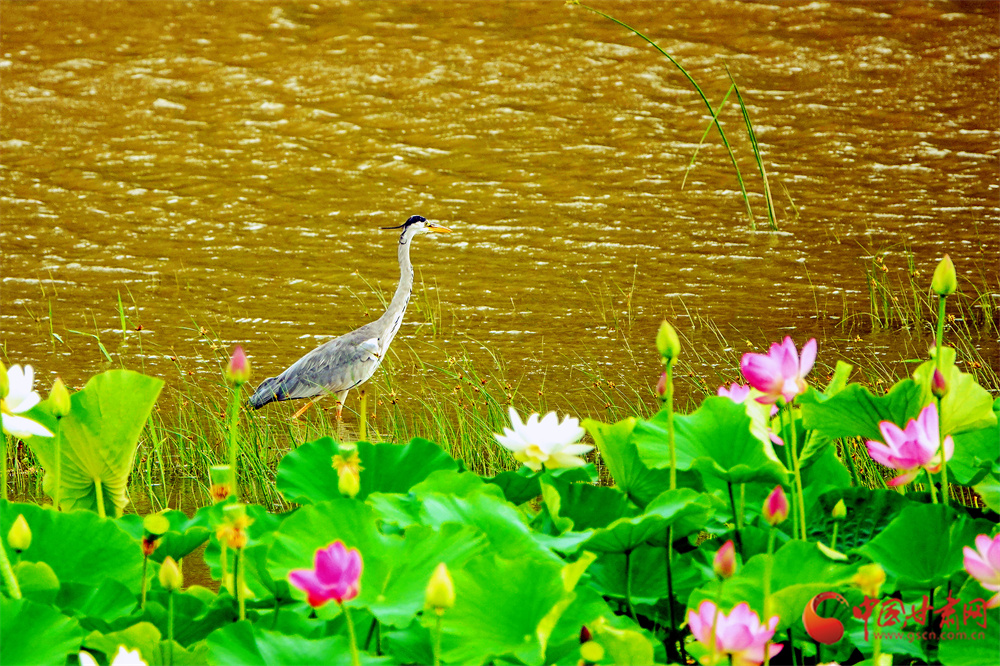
332	367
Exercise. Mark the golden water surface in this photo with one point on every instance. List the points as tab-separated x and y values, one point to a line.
223	169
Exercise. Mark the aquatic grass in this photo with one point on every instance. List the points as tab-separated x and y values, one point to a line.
704	98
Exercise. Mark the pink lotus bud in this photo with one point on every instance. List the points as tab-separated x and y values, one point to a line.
661	386
238	372
725	560
939	385
776	507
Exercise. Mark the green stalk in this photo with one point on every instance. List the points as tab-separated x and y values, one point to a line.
145	567
670	592
437	642
848	455
13	589
833	539
355	658
930	483
3	465
767	590
238	574
671	441
736	524
170	628
937	360
100	498
793	442
628	585
234	414
57	493
223	562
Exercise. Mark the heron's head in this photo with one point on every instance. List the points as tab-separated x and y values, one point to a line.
418	224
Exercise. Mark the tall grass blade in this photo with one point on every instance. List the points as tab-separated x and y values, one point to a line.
772	221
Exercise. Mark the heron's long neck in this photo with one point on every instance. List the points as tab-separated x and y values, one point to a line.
393	317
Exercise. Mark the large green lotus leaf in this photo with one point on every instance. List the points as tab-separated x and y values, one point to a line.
195	616
632	476
410	565
499	605
717	439
141	636
869	512
922	547
99	439
624	645
37	581
317	526
523	485
81	547
589	506
989	490
799	571
306	474
586	607
243	644
99	606
967	406
687	511
815	441
856	412
964	650
36	634
646	567
505	526
184	536
683	508
411	645
976	452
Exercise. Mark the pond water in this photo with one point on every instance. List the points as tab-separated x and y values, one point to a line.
223	168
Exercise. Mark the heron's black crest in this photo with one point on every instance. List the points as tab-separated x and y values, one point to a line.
413	219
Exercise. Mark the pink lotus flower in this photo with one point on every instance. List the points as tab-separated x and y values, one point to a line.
736	392
780	373
912	449
336	575
983	564
776	507
739	634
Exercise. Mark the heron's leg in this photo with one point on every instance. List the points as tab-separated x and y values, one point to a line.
306	407
341	398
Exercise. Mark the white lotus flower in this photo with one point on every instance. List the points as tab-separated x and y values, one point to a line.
123	658
545	442
19	399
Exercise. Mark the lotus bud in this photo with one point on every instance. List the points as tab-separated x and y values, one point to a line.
440	590
944	282
238	372
59	399
592	652
19	536
4	382
171	577
348	483
149	544
870	578
221	479
348	466
725	560
661	386
585	634
776	507
939	385
839	510
668	343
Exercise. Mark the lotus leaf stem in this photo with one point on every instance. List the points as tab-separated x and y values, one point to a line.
355	658
8	574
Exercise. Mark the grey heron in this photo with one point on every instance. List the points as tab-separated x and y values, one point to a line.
337	366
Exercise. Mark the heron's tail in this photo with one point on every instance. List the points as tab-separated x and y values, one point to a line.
270	389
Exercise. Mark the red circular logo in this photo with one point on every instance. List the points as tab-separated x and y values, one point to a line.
826	630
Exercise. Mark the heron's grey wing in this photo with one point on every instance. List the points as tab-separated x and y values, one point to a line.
335	366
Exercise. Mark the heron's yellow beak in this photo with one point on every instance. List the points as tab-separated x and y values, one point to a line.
438	227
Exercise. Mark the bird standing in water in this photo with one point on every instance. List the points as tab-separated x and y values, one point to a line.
337	366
